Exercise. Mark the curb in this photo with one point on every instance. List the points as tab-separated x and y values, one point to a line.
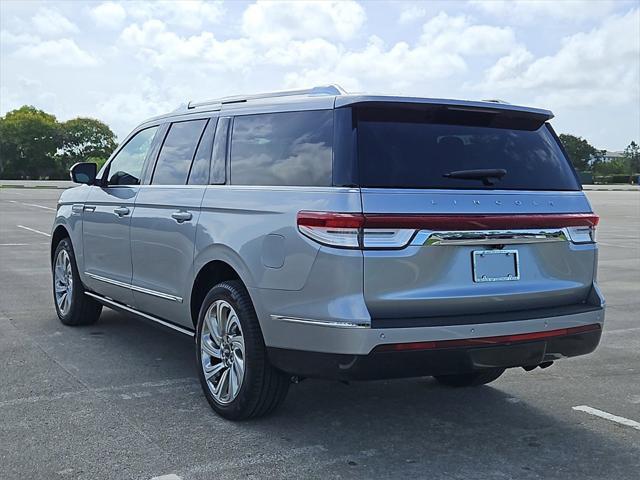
606	189
47	187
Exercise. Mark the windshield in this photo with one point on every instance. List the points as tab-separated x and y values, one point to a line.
457	149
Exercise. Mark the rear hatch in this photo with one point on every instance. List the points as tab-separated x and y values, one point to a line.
469	213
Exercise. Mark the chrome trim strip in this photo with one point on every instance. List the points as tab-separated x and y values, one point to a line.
110	302
490	237
135	288
320	323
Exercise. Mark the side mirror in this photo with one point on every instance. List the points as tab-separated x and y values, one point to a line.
84	172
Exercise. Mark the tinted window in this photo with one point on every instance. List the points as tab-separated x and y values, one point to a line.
416	149
293	148
177	153
218	163
199	174
126	167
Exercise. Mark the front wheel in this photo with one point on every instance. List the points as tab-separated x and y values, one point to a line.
235	373
473	379
72	305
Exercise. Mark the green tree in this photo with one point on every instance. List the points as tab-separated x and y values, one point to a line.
84	139
581	153
632	154
29	140
611	168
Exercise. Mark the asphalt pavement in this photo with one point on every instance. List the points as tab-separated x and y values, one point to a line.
121	399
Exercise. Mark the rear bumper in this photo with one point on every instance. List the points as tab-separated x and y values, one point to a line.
360	339
441	358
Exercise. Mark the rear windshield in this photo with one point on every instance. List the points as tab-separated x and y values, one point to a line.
434	147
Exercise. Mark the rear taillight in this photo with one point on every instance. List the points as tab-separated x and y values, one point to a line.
388	231
582	234
334	229
350	230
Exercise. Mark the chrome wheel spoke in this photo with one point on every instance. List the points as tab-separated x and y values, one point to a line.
63	301
220	316
213	329
233	382
222	386
209	348
238	367
237	342
212	369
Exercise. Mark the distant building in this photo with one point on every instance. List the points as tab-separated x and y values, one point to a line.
611	156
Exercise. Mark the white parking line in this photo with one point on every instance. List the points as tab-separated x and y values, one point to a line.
615	245
33	205
34	230
608	416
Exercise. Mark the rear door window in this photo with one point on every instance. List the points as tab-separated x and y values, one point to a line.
291	148
414	148
176	154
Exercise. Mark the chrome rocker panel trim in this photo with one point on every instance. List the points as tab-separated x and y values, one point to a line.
320	323
119	306
135	288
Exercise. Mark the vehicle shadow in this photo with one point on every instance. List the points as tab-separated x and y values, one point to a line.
407	428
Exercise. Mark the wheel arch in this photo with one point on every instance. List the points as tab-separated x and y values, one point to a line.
58	234
210	274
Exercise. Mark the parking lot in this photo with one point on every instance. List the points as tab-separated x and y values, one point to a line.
121	399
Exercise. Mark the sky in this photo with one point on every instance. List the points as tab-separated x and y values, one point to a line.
122	62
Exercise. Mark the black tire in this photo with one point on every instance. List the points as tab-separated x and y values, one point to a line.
263	387
83	310
473	379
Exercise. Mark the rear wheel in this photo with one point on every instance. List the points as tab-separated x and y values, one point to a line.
72	305
473	379
235	373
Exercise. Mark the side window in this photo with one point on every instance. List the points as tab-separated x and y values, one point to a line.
292	148
126	167
199	174
218	164
176	154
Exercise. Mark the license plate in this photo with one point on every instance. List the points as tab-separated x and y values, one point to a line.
495	265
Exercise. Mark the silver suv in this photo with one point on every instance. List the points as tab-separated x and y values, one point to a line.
314	233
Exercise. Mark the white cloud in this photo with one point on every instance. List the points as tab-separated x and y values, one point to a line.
9	38
108	15
440	52
590	67
50	23
316	51
188	14
273	22
531	10
190	50
161	47
510	65
444	33
412	13
62	52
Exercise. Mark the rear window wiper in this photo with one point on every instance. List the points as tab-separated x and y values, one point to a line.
484	174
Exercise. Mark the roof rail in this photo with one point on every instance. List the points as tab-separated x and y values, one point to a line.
321	90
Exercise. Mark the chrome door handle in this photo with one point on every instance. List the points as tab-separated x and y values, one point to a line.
181	216
89	208
121	211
